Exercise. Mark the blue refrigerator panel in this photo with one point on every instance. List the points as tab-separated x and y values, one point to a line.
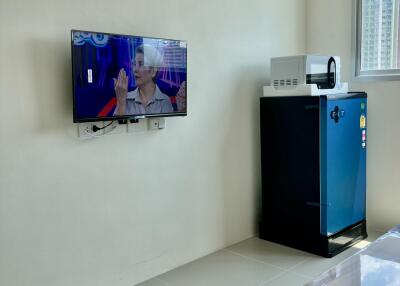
343	162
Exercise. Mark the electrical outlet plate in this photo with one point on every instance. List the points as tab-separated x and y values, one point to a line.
156	123
85	130
153	123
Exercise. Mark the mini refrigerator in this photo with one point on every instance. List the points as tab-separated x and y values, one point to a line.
313	167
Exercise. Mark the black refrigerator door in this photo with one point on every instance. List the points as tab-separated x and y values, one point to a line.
290	168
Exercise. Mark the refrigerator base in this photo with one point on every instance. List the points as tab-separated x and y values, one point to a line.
316	243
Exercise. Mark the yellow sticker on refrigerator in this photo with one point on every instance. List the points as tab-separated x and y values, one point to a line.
363	121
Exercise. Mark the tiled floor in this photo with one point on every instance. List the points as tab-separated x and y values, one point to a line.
253	262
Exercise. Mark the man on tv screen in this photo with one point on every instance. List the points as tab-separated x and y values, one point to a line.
147	97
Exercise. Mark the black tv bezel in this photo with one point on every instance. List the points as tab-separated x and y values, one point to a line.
123	118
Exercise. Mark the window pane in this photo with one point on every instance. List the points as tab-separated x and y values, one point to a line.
379	35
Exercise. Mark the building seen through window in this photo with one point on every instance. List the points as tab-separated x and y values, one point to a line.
380	35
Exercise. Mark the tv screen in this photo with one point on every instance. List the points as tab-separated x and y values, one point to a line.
123	77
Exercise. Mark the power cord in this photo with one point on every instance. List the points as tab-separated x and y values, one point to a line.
92	135
95	128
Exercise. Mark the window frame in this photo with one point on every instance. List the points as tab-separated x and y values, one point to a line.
357	74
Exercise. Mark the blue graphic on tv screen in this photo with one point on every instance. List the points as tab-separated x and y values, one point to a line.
97	61
95	39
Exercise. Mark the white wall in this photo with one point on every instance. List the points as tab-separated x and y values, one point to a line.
329	32
126	207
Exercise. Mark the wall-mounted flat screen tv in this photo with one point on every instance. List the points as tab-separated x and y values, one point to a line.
127	77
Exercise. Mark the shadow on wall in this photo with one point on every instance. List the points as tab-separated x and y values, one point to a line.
241	155
52	82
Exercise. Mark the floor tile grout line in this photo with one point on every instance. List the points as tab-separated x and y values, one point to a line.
299	263
262	262
286	271
264	283
305	275
253	259
163	282
301	274
267	263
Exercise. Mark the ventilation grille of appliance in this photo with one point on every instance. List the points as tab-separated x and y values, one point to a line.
287	82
